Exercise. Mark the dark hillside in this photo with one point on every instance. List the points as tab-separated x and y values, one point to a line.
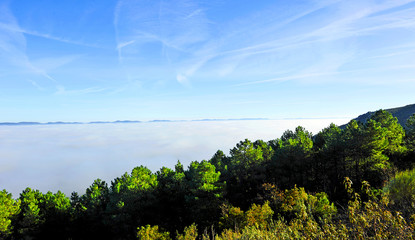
402	113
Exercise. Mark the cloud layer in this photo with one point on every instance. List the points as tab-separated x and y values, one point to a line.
70	157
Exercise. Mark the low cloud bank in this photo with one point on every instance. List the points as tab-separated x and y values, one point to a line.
70	157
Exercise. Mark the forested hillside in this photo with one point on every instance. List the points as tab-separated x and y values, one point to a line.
401	113
351	183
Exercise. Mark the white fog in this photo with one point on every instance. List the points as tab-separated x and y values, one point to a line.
70	157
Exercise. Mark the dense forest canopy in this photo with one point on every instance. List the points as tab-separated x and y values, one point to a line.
352	182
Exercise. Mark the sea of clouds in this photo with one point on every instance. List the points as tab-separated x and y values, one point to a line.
70	157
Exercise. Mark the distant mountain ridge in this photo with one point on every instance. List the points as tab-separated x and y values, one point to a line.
124	121
401	113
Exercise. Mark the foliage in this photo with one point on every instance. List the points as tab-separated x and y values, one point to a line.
8	209
246	171
328	163
189	233
205	192
256	215
410	133
286	188
89	210
401	190
296	203
394	131
170	198
152	233
410	126
373	219
259	215
362	220
232	217
131	201
292	157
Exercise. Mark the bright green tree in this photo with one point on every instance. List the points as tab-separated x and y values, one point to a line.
394	132
203	177
8	209
29	220
132	201
55	209
96	198
220	161
205	192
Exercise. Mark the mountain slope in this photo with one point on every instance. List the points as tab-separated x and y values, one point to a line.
402	113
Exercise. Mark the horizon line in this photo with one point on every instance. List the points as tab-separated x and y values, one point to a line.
159	120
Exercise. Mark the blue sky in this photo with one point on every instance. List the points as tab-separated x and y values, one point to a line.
77	60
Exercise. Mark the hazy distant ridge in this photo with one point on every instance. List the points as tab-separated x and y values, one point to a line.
126	121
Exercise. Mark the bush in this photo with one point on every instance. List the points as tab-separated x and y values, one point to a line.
152	233
401	190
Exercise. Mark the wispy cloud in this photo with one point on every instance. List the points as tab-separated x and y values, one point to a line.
176	26
194	13
164	23
17	29
51	63
61	90
307	39
182	79
13	44
291	77
349	25
124	44
36	85
13	51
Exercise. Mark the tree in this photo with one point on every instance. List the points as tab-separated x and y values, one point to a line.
410	127
246	171
29	220
366	148
8	209
55	209
410	133
220	161
353	137
96	197
376	146
293	157
328	161
171	190
90	211
132	201
205	192
394	132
